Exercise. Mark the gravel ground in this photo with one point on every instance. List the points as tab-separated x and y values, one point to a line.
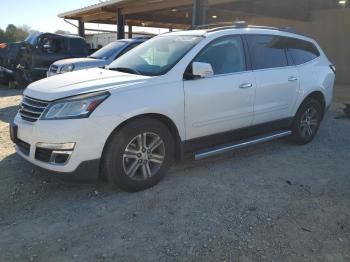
272	202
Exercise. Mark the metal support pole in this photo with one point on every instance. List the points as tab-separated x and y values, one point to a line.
199	12
129	31
81	28
121	25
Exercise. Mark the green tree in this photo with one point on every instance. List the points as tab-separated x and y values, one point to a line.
2	36
9	33
13	33
20	34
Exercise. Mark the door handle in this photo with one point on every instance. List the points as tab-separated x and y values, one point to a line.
246	85
292	79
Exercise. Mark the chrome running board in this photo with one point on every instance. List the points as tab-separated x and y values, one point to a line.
242	143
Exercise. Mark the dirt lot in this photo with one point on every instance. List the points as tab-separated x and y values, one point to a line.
272	202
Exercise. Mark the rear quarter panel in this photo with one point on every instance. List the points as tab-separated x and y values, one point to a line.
315	75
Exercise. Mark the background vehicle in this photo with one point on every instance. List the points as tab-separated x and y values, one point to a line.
100	58
193	93
29	60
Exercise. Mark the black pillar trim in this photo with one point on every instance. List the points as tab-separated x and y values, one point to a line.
81	28
199	12
120	25
129	31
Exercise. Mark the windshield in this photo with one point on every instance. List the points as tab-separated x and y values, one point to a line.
107	51
32	38
156	56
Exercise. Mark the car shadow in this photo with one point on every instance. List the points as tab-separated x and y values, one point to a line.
14	168
7	92
21	170
8	113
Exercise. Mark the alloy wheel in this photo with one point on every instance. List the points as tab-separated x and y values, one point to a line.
143	156
309	123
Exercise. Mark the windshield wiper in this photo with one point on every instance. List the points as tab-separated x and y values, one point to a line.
125	70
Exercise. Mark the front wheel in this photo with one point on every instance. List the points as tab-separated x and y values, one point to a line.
138	155
307	121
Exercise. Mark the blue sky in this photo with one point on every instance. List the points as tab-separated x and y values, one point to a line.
39	14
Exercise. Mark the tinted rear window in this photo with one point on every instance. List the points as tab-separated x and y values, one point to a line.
77	46
301	51
267	51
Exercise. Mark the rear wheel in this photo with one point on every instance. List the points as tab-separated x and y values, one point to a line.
138	155
307	121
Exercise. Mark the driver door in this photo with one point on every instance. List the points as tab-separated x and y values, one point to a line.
224	101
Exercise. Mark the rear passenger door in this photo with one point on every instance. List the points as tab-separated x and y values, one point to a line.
276	77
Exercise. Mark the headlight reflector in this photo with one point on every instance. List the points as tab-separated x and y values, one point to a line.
75	107
67	68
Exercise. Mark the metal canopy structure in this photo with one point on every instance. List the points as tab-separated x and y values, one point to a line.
182	14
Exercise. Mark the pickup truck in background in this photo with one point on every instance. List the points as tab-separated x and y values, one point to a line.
29	60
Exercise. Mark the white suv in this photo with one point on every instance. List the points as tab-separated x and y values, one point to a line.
192	93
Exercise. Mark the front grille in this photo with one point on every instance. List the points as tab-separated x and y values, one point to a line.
23	147
31	109
54	69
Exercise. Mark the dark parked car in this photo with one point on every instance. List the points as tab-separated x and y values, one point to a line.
100	58
29	60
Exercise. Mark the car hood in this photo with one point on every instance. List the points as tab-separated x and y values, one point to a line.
77	61
83	81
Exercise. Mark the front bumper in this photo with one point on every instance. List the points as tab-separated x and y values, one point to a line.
88	134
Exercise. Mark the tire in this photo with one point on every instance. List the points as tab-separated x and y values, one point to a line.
132	167
307	121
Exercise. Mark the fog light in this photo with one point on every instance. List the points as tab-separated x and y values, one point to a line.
63	146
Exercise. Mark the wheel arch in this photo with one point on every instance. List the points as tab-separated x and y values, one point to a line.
319	96
170	124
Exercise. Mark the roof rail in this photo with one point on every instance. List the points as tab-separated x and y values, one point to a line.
238	25
243	24
209	26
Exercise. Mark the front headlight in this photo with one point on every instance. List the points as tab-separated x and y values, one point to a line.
67	68
80	106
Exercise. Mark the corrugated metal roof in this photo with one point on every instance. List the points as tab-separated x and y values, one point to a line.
92	7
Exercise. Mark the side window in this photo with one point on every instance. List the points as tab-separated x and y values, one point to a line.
52	45
127	49
76	46
267	51
58	45
301	51
225	55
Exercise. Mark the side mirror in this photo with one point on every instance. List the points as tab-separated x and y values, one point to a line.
47	47
202	70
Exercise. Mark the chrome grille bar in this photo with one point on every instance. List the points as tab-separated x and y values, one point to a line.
38	107
31	108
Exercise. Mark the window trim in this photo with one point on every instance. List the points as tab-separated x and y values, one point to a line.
245	51
269	68
122	52
289	53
